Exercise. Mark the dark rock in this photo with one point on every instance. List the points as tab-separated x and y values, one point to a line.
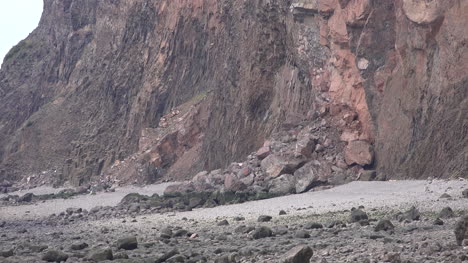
2	223
438	222
226	259
445	196
358	215
282	212
446	212
127	243
167	256
262	232
120	255
54	256
264	218
99	255
465	193
181	233
336	223
7	253
313	225
298	254
239	218
166	233
302	234
384	225
26	198
223	223
411	215
79	246
461	230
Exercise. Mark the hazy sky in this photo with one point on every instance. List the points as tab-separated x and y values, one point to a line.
18	18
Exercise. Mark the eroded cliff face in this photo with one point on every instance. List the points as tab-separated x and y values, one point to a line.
172	87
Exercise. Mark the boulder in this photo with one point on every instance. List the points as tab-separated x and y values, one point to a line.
384	225
298	254
7	253
465	193
461	230
264	218
359	152
79	246
306	177
263	152
26	198
446	212
262	232
283	185
305	147
99	255
358	215
233	183
178	189
411	215
275	165
54	256
127	243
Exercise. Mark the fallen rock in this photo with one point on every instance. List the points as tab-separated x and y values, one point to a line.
233	183
298	254
305	147
384	225
167	256
313	225
223	223
438	222
262	232
302	234
79	246
306	177
275	165
7	253
359	152
446	212
283	185
461	230
127	243
358	215
411	215
99	255
465	193
26	198
263	152
264	218
54	256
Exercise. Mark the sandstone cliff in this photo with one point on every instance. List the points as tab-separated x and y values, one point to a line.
173	87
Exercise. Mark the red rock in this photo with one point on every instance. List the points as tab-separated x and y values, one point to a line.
275	165
359	152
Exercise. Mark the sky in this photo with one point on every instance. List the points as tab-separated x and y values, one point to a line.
18	18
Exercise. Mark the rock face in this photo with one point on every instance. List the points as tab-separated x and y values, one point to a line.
137	90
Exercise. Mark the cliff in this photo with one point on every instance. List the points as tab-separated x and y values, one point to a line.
151	89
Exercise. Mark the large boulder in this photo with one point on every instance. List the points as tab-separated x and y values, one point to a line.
262	232
283	185
359	152
298	254
127	243
54	256
233	183
178	189
276	165
307	177
99	255
461	230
